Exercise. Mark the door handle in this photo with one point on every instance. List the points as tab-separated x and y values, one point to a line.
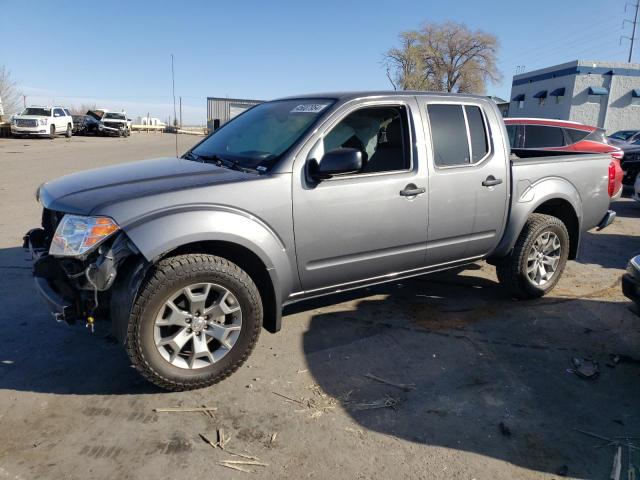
491	181
411	191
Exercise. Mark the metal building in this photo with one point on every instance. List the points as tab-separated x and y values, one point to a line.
221	110
602	94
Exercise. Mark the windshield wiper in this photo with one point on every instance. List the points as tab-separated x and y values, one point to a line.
222	162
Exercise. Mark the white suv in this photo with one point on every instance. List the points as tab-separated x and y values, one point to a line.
42	121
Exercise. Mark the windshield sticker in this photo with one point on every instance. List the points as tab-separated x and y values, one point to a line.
310	108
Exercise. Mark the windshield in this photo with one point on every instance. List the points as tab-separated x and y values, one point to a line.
258	137
115	116
623	134
43	112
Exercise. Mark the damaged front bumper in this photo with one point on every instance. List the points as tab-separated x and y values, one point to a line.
74	287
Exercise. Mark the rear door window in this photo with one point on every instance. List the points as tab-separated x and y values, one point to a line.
540	136
459	134
477	133
449	135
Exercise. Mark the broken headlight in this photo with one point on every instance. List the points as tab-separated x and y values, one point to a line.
77	235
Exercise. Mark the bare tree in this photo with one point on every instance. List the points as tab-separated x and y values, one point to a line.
444	57
9	92
82	109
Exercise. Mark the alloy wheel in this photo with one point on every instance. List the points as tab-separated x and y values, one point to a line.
543	258
197	325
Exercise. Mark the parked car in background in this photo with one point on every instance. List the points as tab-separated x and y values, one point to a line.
548	135
631	161
85	125
42	121
636	189
111	123
622	137
300	197
631	280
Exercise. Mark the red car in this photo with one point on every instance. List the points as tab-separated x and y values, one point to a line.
564	136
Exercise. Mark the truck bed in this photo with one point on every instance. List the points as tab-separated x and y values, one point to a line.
579	179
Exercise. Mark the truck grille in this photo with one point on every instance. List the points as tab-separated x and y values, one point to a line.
26	122
113	124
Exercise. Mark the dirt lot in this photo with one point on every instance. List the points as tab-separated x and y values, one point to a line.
72	407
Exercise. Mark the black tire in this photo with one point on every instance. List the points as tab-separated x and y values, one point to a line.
69	131
52	131
512	270
168	276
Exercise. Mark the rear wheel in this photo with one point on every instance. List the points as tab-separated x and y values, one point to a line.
194	322
68	133
538	258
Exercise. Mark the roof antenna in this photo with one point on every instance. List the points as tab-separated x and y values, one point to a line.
173	90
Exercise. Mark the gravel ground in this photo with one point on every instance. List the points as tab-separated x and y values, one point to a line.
470	359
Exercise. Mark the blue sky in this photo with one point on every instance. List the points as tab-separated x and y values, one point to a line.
117	53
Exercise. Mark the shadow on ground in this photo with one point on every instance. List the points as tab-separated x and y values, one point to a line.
474	359
612	250
41	355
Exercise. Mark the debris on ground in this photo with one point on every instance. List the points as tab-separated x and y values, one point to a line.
319	403
403	386
387	402
504	430
300	402
207	413
226	450
185	409
236	465
584	368
618	442
562	470
222	440
273	437
617	464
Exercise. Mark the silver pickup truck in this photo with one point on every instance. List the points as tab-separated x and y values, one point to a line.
191	257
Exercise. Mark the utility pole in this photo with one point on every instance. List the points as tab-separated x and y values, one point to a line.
24	101
633	22
180	112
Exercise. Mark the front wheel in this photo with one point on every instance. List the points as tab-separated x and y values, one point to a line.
195	320
538	259
52	131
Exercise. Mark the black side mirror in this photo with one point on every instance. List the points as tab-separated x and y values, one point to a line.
341	161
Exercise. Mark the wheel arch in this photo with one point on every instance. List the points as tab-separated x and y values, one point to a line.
551	196
564	211
251	263
242	239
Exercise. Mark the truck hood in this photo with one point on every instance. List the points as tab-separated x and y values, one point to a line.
85	192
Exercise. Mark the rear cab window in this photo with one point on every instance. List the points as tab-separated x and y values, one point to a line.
459	134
